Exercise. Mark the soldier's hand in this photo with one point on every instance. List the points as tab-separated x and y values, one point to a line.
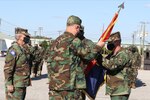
101	43
10	88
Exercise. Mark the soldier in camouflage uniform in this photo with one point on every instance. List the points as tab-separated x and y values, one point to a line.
118	65
36	60
41	55
136	63
84	62
16	68
29	50
66	77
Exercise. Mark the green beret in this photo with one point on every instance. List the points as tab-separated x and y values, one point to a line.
19	30
73	20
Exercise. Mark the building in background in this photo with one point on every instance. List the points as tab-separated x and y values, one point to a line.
5	43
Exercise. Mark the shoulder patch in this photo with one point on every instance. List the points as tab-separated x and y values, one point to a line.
12	52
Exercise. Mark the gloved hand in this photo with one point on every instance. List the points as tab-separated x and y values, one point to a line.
99	58
80	35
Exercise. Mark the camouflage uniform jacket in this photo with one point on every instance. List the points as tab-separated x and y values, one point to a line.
64	70
136	63
37	56
87	44
84	61
16	68
136	60
42	53
119	65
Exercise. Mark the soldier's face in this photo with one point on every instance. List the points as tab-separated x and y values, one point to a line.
77	28
22	39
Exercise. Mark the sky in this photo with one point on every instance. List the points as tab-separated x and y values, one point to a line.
51	16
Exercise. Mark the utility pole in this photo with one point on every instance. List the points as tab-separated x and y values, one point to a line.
59	32
133	37
40	30
140	45
143	36
35	37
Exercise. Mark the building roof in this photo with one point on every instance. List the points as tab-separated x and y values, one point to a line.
5	36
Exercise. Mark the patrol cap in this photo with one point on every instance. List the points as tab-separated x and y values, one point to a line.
114	37
19	30
73	20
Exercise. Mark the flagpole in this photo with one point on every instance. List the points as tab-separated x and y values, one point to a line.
120	7
91	86
107	32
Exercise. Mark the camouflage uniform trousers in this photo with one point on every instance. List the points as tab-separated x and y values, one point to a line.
135	73
35	68
65	95
18	94
40	67
120	97
133	78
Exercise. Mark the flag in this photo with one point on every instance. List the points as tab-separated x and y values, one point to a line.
94	79
94	73
90	65
107	32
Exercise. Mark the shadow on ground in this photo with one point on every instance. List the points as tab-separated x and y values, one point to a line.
39	77
140	83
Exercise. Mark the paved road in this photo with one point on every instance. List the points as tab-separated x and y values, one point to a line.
39	88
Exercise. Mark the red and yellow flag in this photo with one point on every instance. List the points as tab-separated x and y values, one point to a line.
95	74
107	32
104	37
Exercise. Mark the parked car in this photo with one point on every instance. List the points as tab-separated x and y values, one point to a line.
3	53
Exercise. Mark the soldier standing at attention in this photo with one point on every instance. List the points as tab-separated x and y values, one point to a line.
36	60
41	56
136	63
117	64
16	68
63	63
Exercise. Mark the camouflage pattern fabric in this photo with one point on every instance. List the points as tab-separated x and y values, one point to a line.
18	94
37	54
120	97
136	63
16	68
42	53
118	66
74	20
64	70
37	60
88	44
29	53
65	95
